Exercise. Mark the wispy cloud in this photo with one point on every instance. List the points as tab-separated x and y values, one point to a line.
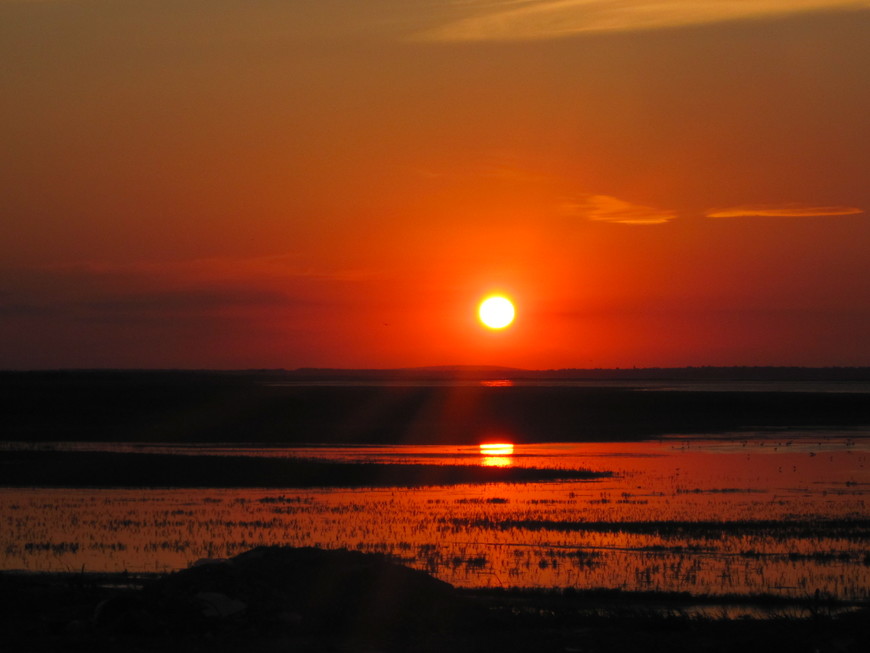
155	290
783	211
218	269
510	20
604	208
194	300
157	305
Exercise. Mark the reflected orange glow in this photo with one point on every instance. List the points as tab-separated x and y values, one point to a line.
496	461
497	454
709	517
497	383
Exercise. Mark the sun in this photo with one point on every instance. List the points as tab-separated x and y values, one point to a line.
496	312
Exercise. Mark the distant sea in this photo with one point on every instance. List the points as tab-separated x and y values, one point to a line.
424	406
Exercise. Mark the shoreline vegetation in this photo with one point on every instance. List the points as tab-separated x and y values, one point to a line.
428	406
281	598
35	468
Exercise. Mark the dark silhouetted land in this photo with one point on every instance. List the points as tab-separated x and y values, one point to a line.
106	469
306	600
412	406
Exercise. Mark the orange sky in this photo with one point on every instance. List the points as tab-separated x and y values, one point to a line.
286	183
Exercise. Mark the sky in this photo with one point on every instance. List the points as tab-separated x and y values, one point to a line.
334	183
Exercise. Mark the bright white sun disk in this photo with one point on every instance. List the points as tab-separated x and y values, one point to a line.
496	312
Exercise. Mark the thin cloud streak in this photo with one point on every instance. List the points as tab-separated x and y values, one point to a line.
278	266
159	290
783	211
524	20
604	208
157	305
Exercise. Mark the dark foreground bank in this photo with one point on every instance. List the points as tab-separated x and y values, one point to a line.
306	600
273	407
35	468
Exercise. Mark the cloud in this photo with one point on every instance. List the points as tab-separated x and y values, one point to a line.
604	208
193	300
16	310
165	305
204	271
513	20
147	291
782	211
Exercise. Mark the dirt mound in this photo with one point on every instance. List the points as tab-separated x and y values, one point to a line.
310	589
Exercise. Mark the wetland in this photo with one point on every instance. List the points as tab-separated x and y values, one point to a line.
649	503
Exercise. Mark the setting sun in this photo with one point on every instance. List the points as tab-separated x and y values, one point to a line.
496	312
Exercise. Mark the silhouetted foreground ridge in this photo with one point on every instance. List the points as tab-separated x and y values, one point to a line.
307	600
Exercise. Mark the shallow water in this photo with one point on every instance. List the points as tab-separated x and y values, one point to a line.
783	513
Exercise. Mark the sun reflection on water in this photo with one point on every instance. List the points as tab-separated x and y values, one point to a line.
497	454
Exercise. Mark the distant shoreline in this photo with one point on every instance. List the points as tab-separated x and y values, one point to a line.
831	373
703	373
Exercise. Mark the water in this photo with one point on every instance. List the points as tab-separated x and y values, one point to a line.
782	513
